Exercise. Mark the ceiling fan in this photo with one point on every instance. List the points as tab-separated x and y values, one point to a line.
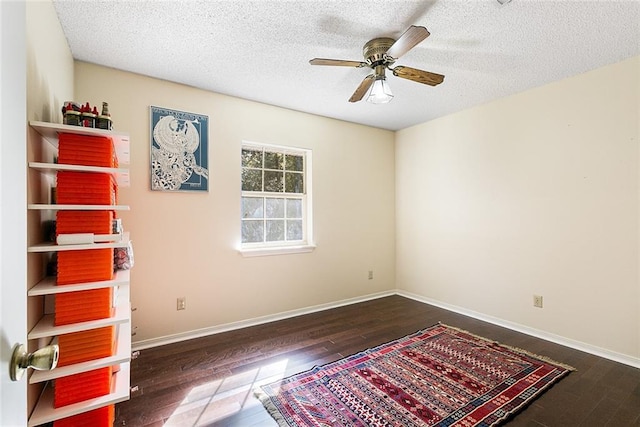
379	54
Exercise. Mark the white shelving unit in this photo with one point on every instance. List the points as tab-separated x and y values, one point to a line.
45	207
44	411
53	247
121	175
47	286
50	132
122	355
46	328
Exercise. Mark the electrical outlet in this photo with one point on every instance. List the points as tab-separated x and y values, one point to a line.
537	301
370	274
182	303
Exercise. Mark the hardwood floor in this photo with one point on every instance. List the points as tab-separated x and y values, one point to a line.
209	381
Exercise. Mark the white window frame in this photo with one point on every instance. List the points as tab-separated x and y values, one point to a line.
282	247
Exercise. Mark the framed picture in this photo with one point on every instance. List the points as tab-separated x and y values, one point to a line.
179	150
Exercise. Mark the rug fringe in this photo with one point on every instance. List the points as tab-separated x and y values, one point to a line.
514	349
270	407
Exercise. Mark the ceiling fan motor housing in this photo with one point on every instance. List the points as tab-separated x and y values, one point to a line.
375	49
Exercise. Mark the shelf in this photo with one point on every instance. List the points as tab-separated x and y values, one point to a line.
120	174
122	355
43	207
46	328
50	132
44	411
48	286
46	145
53	247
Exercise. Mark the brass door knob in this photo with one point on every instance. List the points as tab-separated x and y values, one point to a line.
44	359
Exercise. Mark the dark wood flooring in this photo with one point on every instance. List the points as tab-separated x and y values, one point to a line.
208	381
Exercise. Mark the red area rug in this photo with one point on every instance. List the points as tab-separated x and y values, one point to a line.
440	376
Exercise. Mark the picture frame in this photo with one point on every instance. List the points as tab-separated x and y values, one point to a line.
179	145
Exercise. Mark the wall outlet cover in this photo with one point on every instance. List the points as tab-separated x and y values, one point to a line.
537	301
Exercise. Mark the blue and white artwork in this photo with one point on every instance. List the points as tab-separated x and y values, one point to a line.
179	150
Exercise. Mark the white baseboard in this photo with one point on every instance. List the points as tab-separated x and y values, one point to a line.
183	336
567	342
588	348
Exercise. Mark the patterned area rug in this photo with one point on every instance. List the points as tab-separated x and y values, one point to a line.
440	376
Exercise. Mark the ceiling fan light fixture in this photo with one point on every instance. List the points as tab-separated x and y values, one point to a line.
380	92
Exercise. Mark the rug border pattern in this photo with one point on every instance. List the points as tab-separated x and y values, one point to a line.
517	405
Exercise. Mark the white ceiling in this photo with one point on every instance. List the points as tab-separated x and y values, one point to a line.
259	50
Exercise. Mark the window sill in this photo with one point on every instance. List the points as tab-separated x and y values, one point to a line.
281	250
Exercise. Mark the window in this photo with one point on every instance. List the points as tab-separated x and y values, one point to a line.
275	197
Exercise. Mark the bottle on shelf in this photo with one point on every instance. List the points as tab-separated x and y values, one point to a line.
104	119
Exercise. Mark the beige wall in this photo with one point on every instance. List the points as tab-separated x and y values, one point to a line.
185	243
537	193
49	64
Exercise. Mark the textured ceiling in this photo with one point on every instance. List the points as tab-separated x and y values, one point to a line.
259	50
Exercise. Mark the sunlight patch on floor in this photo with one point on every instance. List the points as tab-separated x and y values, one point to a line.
223	397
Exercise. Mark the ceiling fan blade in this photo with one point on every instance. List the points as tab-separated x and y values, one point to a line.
407	41
338	62
363	88
420	76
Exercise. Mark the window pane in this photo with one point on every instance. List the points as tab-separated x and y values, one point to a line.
251	180
273	195
294	208
275	208
252	207
294	230
275	231
252	231
273	181
251	158
273	160
294	182
294	163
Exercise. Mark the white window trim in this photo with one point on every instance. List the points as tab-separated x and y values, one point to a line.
286	248
276	250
